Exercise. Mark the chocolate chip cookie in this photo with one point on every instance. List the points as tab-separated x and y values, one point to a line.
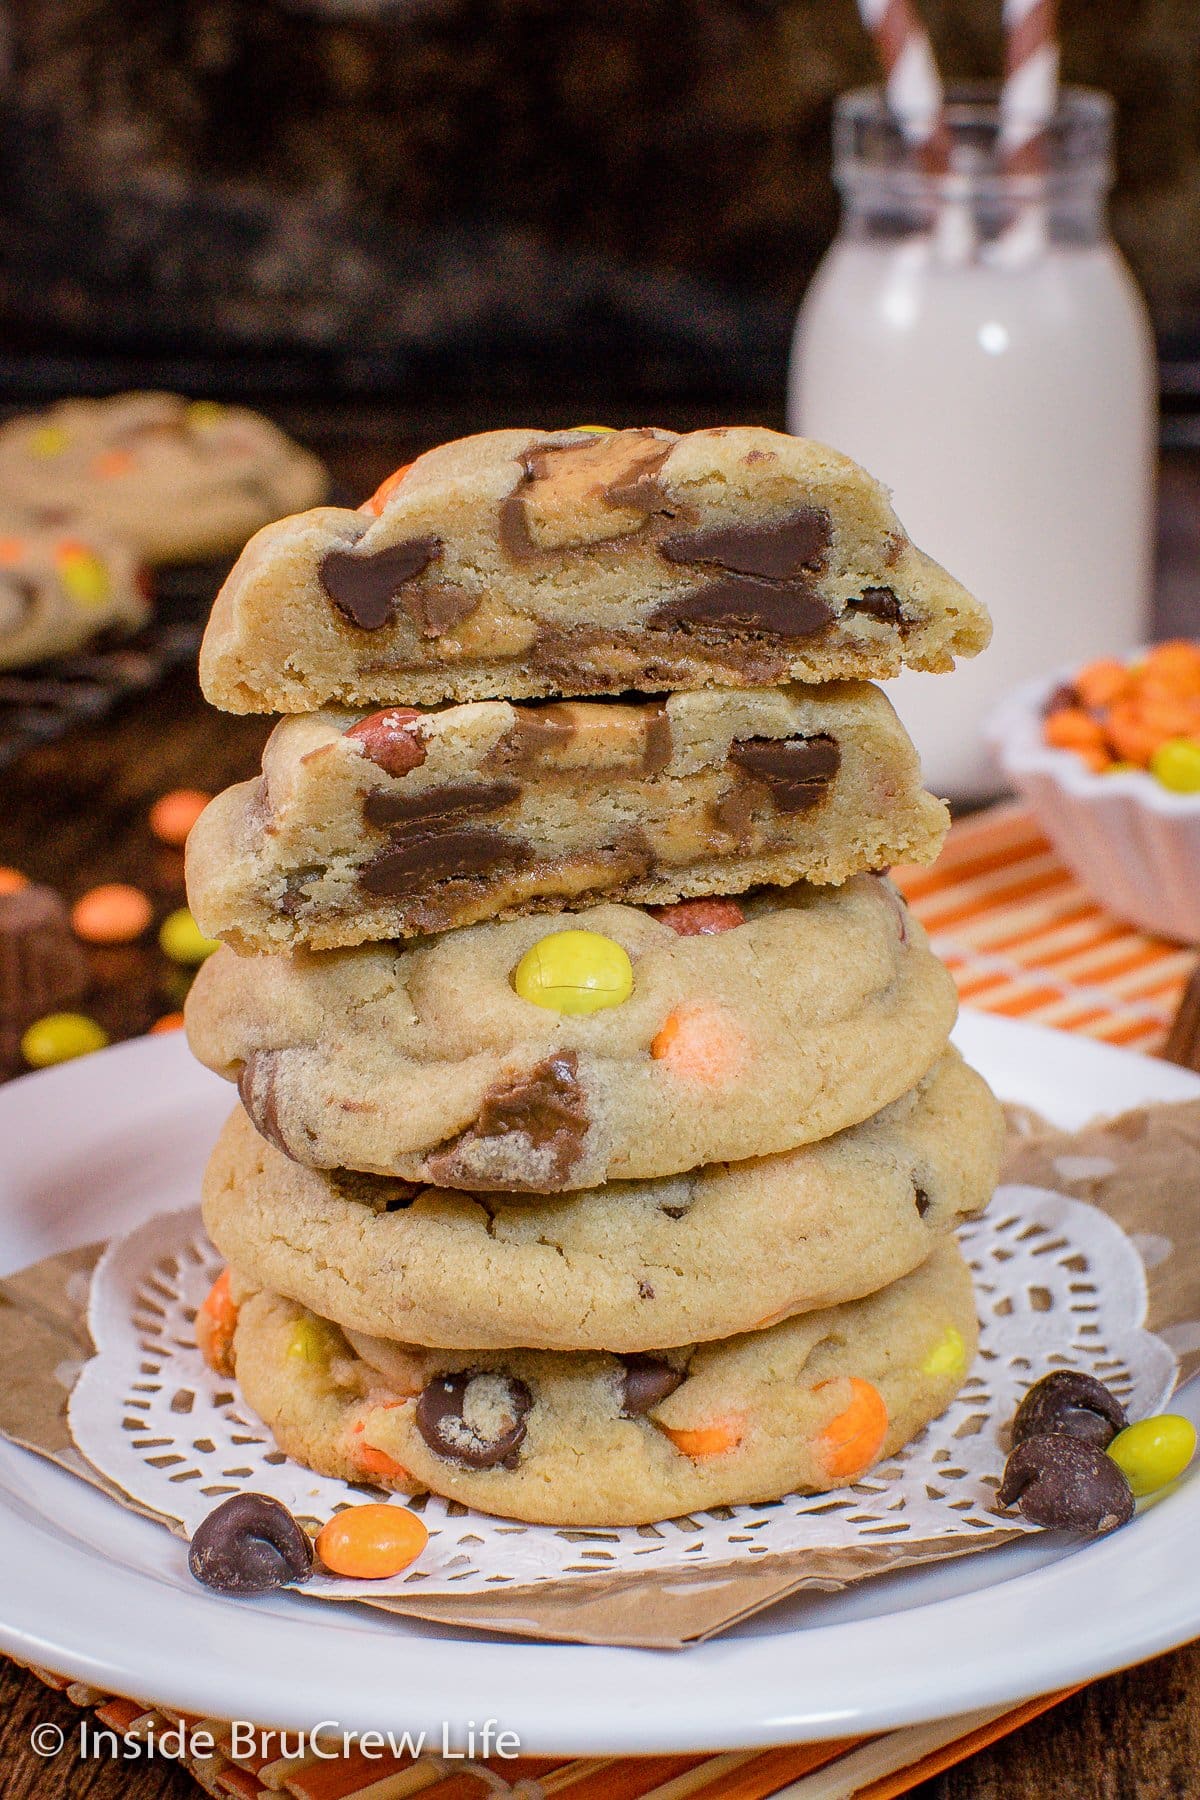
60	589
592	1439
402	822
629	1267
175	479
809	1011
525	563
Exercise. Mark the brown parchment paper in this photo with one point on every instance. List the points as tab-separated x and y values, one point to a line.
1142	1168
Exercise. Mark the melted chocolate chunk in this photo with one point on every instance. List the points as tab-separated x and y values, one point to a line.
1066	1485
878	603
617	469
1068	1403
659	747
439	807
365	586
480	1431
441	855
747	603
647	1381
546	1105
257	1086
538	733
795	771
777	551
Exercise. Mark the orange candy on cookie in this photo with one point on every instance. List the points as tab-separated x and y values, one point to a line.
717	1439
385	490
371	1542
854	1437
698	1044
216	1322
701	918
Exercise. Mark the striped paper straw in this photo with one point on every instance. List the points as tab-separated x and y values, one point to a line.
1030	93
911	79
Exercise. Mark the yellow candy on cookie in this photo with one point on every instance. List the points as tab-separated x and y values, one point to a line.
574	972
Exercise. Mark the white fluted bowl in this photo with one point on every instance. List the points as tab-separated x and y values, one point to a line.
1131	841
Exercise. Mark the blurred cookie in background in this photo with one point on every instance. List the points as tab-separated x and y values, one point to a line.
179	480
60	590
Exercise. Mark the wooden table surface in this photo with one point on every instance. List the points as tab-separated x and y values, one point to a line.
74	814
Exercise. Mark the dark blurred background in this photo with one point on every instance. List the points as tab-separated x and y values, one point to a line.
474	200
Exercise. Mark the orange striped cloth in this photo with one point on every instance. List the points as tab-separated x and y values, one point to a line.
1022	939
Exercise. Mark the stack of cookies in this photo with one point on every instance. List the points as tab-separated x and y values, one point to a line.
600	1144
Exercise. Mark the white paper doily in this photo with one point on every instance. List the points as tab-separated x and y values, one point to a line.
1058	1285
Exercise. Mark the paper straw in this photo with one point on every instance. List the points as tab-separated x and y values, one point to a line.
911	79
1029	96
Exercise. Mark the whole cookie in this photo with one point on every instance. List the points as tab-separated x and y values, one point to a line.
522	563
633	1266
59	589
822	1007
401	822
600	1440
177	480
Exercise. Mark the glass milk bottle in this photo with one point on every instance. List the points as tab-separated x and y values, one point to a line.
976	341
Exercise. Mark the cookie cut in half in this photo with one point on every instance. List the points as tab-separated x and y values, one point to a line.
399	822
589	1439
526	563
549	1053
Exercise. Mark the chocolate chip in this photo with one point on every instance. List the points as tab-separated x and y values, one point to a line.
647	1380
1068	1403
645	1291
744	603
922	1199
545	1104
778	550
877	603
477	1420
1065	1484
796	771
439	807
249	1544
365	585
438	855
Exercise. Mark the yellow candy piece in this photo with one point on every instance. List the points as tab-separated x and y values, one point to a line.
1154	1451
574	972
1176	764
202	415
308	1342
599	430
948	1356
59	1037
181	939
84	576
48	440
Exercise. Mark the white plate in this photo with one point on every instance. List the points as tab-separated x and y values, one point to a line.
90	1590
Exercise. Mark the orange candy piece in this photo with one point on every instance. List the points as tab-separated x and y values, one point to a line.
216	1322
12	881
1070	728
701	918
168	1022
717	1439
173	815
371	1542
854	1437
111	914
1100	683
699	1045
385	490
